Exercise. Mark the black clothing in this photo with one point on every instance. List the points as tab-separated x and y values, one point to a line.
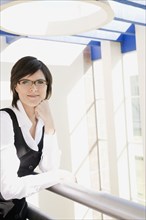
29	159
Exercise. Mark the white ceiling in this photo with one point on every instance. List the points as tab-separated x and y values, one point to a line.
127	13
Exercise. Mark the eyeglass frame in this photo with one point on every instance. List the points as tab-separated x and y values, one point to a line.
33	83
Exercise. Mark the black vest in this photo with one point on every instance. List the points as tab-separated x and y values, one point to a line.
29	159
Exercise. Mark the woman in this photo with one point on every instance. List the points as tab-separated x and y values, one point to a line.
28	139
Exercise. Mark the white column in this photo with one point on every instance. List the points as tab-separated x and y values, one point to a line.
109	111
141	57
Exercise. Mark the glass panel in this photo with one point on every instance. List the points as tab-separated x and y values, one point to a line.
136	117
137	169
135	105
134	85
135	147
140	181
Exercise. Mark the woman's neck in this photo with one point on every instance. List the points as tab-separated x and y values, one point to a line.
30	111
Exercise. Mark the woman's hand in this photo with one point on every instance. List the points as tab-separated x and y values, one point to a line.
43	111
66	176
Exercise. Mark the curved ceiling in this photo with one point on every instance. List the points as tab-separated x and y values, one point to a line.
127	14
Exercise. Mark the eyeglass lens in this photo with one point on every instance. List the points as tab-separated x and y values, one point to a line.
27	83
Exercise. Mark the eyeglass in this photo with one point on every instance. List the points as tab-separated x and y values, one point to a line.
26	83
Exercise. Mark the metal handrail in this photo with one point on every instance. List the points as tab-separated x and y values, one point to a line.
105	203
34	213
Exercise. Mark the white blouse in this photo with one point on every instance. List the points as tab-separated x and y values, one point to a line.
12	186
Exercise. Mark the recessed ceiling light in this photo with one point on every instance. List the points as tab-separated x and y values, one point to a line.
52	18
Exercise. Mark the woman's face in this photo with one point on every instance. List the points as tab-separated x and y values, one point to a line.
32	89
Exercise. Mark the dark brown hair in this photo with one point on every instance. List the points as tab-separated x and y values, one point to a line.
28	66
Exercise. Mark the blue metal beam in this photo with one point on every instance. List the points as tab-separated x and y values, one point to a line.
134	4
128	43
114	31
129	21
95	50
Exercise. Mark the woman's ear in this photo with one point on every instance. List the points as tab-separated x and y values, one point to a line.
15	89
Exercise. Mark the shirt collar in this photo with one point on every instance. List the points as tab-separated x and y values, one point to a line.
22	117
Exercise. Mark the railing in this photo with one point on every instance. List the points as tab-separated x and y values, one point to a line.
100	201
105	203
36	214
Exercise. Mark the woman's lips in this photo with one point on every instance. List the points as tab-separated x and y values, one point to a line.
33	96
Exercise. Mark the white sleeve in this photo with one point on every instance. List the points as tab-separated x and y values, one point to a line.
51	153
12	186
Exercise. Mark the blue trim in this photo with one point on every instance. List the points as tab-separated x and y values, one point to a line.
128	43
129	21
134	4
95	49
96	38
58	40
10	38
7	33
3	2
114	31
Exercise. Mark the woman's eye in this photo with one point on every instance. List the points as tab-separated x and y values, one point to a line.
40	82
24	82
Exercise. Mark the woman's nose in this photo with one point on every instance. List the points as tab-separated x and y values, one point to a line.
33	87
